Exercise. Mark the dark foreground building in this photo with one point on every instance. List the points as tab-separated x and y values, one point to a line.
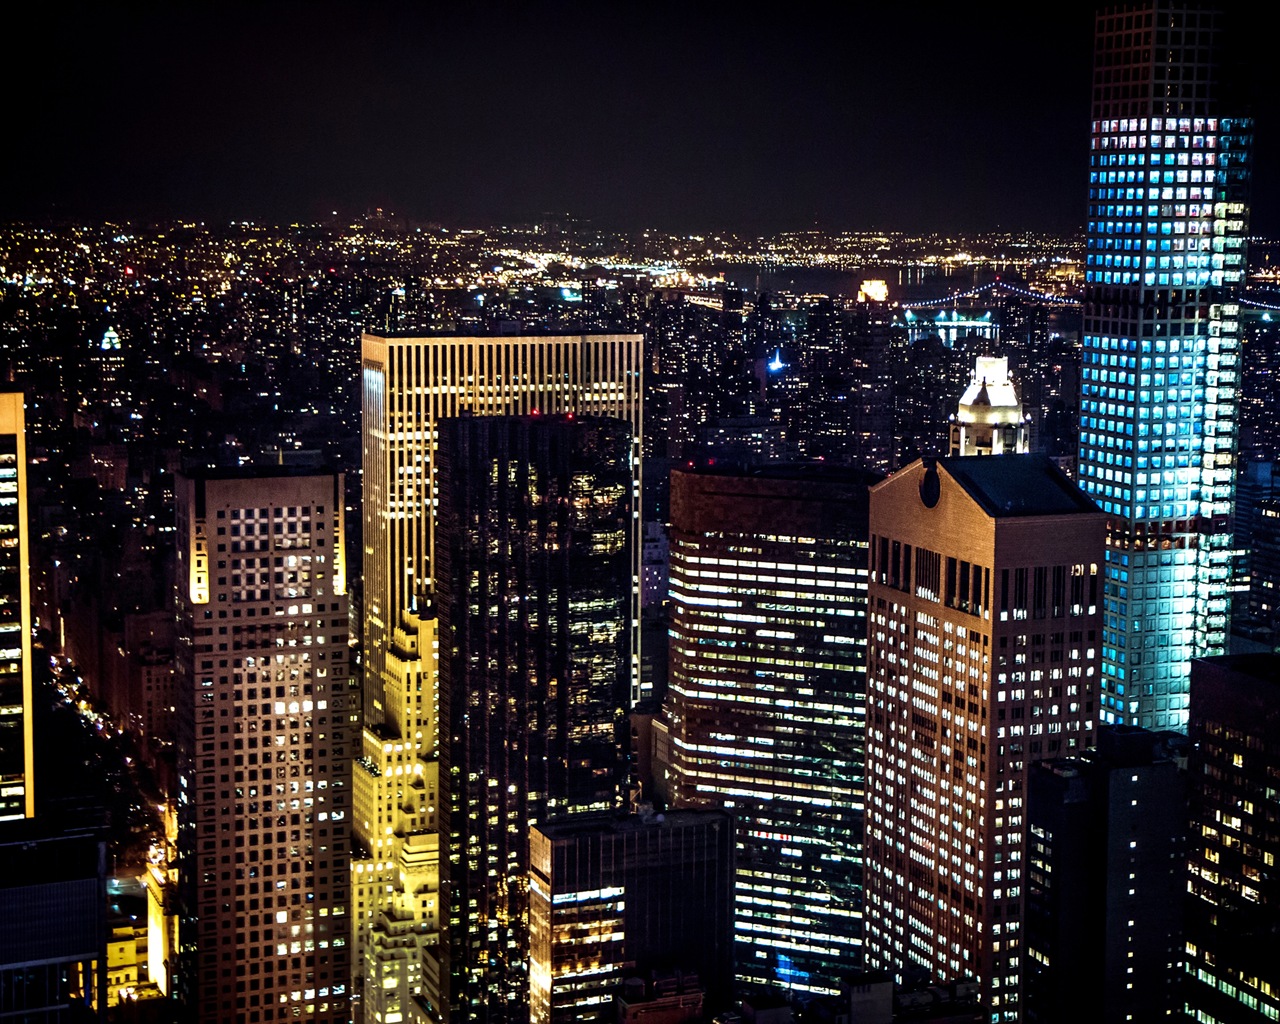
618	896
53	923
1233	903
1105	849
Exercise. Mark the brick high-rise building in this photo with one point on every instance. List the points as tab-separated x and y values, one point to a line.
264	755
984	609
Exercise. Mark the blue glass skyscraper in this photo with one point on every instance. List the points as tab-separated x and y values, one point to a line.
1168	216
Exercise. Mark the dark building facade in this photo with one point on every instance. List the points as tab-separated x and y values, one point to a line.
1105	846
615	896
53	923
766	704
1233	892
533	549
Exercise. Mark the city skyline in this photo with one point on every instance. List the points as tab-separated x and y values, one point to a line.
519	576
675	118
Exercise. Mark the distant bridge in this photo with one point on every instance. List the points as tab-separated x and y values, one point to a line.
952	298
996	286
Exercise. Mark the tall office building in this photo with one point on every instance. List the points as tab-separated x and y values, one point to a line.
17	788
409	385
263	758
1167	222
765	711
984	607
1233	903
616	896
534	576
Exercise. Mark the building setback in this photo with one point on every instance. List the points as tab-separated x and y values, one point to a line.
263	758
534	587
1168	217
984	631
616	896
1233	901
395	864
765	710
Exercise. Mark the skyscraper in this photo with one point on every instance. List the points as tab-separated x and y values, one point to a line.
984	609
1233	903
1167	222
409	385
534	577
989	420
263	762
395	868
17	784
765	711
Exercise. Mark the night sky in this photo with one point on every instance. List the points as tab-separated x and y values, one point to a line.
693	117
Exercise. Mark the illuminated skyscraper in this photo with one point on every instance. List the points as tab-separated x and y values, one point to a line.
409	385
765	711
395	868
1158	412
263	760
1105	882
107	361
17	789
534	574
984	609
989	420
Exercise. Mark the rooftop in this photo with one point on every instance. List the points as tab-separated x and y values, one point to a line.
821	472
1263	666
1013	486
611	821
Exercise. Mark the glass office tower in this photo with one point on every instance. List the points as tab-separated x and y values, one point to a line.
1167	222
533	575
